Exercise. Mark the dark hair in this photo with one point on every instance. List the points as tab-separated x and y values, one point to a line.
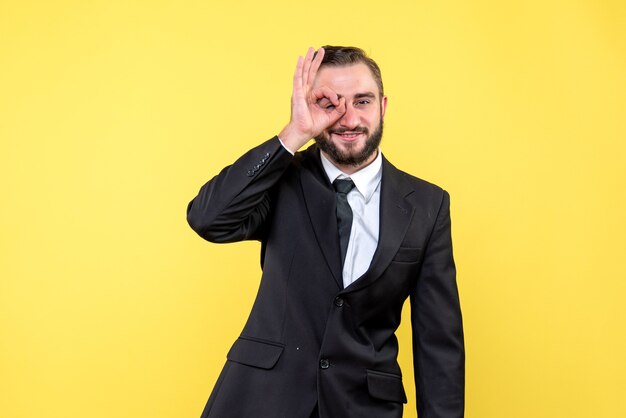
338	56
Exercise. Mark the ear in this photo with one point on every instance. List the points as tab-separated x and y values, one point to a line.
383	107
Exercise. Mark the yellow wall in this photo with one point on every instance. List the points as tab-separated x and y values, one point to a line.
113	113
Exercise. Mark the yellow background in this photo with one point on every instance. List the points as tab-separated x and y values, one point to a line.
113	113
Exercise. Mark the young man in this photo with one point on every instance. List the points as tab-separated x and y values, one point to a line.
346	239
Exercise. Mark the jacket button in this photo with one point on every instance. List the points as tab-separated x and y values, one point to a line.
338	302
324	363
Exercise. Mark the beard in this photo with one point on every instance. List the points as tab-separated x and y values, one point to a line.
349	157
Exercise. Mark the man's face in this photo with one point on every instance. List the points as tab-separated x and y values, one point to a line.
354	138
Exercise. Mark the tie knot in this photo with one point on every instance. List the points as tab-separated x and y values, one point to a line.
343	186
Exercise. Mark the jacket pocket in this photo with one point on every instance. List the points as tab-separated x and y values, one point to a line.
386	386
407	255
255	353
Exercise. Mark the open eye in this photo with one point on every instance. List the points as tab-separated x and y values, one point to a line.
363	102
325	104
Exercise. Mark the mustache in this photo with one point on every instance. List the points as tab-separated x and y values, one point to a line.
360	129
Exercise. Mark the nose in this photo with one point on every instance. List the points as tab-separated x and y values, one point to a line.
350	119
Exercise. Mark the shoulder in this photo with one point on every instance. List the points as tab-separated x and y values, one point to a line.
308	160
414	187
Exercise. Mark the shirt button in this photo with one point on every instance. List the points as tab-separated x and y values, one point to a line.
338	302
324	363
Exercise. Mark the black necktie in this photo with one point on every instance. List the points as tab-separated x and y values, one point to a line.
344	214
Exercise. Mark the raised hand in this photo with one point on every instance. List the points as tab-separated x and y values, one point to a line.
312	110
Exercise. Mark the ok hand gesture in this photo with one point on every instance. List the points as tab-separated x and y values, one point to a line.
312	110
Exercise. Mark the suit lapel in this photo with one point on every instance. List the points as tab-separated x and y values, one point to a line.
395	216
320	202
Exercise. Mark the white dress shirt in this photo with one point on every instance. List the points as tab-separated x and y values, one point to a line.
364	199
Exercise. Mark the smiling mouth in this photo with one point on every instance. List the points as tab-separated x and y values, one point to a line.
348	135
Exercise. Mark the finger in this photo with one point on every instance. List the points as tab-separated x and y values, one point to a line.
315	65
297	77
307	65
325	91
340	108
337	112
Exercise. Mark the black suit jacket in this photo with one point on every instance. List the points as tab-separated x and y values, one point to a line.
308	340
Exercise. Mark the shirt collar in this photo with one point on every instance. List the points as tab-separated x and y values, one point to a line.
366	179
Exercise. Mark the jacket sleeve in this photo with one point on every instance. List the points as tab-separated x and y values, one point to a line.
234	205
438	347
